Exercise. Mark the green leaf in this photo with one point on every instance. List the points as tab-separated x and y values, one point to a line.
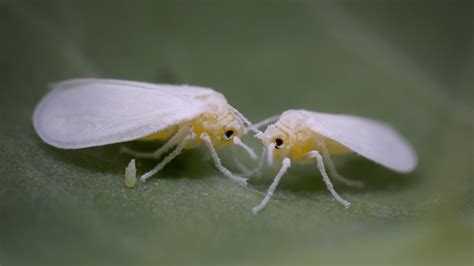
409	64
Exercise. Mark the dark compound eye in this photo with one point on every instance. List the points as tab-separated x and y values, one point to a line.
278	143
229	133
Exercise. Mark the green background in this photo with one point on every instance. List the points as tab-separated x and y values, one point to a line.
409	63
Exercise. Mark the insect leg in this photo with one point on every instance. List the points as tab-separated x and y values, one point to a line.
286	163
332	170
238	142
245	171
320	164
270	153
242	168
177	138
168	158
257	171
217	161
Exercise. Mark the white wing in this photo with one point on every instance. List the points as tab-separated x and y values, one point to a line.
179	90
372	139
84	113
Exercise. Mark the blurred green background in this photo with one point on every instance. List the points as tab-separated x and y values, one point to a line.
409	63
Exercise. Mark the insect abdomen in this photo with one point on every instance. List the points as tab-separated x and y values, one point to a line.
334	147
160	135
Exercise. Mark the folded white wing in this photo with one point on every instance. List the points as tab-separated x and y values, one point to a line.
372	139
84	113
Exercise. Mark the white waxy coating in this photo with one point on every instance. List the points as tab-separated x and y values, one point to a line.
374	140
84	113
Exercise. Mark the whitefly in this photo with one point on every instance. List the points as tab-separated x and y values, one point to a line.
307	137
81	113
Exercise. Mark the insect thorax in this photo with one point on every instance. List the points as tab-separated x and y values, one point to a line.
215	123
299	139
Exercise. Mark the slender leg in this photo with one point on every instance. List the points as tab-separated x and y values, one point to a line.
286	163
177	138
270	153
320	164
258	169
245	171
242	168
217	161
332	170
168	158
250	152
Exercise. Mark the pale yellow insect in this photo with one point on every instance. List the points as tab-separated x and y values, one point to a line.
308	137
84	113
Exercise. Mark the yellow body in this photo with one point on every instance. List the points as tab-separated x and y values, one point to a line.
214	124
161	135
305	142
298	140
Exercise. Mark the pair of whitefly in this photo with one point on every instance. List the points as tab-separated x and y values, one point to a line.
84	113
